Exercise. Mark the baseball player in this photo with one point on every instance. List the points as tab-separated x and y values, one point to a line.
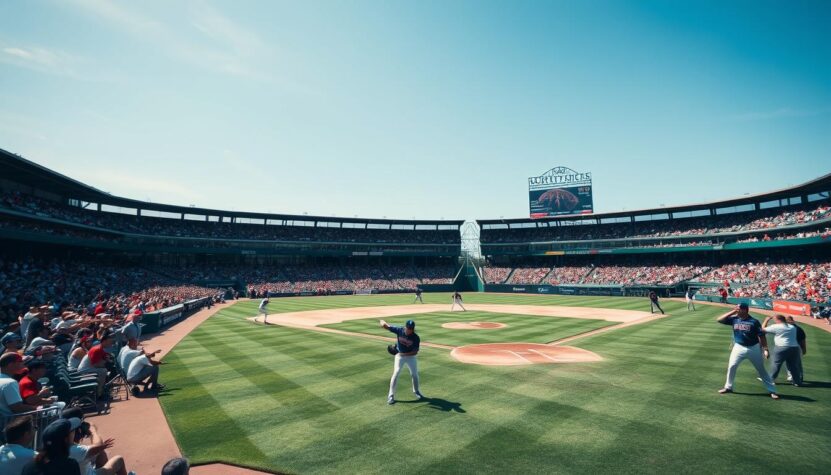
418	296
407	346
748	339
457	300
653	302
264	310
690	302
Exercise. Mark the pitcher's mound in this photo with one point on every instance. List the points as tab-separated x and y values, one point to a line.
509	354
473	325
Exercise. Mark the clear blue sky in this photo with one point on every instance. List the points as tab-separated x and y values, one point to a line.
425	109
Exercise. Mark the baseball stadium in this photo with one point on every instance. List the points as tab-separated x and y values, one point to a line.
365	237
553	359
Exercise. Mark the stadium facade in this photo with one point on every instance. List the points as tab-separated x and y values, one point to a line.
668	249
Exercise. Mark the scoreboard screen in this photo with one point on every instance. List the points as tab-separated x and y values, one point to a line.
560	191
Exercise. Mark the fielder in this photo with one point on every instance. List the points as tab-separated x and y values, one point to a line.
407	346
264	310
457	300
418	296
690	301
653	302
748	339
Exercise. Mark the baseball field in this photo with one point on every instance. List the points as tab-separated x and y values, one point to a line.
308	393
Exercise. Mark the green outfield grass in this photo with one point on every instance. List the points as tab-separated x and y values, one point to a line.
300	401
520	328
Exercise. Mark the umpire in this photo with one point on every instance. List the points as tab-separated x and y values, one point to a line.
407	349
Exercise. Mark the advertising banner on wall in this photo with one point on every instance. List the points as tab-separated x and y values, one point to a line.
791	308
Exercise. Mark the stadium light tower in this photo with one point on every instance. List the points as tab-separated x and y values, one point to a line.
471	248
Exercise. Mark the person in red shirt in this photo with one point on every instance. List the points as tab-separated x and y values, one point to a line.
723	292
96	360
32	392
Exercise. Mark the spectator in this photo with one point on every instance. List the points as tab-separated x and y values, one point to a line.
54	458
81	349
15	453
129	353
785	348
92	458
27	319
96	360
145	371
32	392
177	466
38	336
803	346
12	342
11	365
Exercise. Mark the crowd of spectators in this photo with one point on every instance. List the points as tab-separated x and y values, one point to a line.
643	275
768	219
437	275
496	275
528	275
599	275
403	277
60	362
775	280
568	275
158	226
326	279
86	284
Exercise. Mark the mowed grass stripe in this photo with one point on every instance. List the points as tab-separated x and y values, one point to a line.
649	407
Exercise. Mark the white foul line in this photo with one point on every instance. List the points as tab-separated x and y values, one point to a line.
544	355
519	355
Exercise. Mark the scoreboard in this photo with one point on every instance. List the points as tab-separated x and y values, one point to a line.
560	191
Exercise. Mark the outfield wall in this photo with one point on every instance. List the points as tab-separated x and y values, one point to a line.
557	289
155	321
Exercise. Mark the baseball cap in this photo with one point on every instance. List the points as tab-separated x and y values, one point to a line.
744	305
10	336
410	324
177	466
58	430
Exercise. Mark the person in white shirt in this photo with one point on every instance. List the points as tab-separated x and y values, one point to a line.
144	370
27	319
92	457
130	352
11	403
264	310
786	348
15	454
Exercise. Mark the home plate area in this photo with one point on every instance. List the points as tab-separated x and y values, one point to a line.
512	354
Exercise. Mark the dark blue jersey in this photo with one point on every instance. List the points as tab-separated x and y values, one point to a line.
745	332
406	343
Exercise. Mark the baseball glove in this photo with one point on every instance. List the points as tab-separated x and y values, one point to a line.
391	349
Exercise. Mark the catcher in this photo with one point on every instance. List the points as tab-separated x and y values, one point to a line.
405	351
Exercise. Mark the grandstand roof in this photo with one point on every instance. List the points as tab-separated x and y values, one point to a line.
817	185
20	170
